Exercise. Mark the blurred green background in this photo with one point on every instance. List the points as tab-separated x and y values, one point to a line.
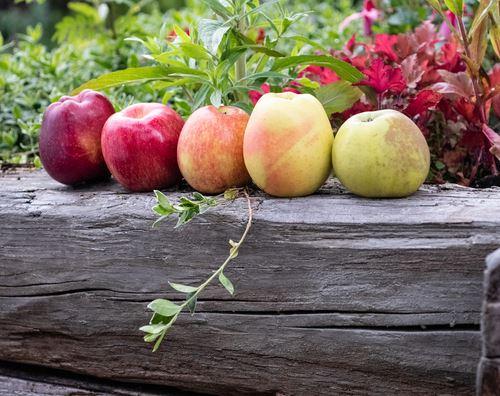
50	47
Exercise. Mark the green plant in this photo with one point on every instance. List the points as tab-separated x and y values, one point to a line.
166	312
32	76
220	62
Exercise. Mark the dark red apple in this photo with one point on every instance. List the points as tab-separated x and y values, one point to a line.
210	150
140	146
70	138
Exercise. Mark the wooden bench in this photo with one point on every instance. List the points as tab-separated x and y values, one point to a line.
334	294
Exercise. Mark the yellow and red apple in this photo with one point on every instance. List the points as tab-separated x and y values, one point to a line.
210	150
287	145
380	154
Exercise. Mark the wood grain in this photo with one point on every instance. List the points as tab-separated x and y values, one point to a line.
334	294
488	374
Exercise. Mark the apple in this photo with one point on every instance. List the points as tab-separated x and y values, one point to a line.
140	146
287	144
210	150
70	138
380	154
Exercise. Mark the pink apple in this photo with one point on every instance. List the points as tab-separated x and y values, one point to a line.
140	146
70	138
210	150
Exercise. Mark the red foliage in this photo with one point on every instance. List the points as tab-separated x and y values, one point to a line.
383	78
422	102
422	74
322	75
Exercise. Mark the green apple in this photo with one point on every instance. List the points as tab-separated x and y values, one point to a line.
380	154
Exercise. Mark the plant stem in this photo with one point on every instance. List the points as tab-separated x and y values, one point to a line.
228	259
473	73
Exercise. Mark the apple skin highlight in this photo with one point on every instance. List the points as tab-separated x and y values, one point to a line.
380	154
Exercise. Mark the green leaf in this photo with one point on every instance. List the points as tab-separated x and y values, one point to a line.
436	5
217	7
305	40
159	341
192	302
226	283
194	51
182	288
231	194
211	33
216	98
481	13
153	329
162	199
151	337
85	9
455	6
439	165
121	77
338	96
200	97
37	162
343	69
160	319
306	82
164	307
181	34
261	49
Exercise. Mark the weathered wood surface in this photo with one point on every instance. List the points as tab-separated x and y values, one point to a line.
488	374
334	294
25	380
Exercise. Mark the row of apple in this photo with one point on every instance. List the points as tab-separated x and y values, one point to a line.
286	147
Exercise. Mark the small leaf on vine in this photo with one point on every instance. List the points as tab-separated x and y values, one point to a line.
165	311
231	194
164	307
191	302
226	283
182	288
186	209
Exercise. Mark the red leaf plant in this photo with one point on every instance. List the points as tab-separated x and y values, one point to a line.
422	74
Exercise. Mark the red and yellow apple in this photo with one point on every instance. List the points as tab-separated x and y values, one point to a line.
380	154
70	138
210	150
140	146
287	144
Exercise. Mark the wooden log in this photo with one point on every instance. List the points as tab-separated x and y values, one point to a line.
28	380
334	294
488	375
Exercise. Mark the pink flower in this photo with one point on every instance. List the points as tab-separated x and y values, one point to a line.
255	95
444	30
369	14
